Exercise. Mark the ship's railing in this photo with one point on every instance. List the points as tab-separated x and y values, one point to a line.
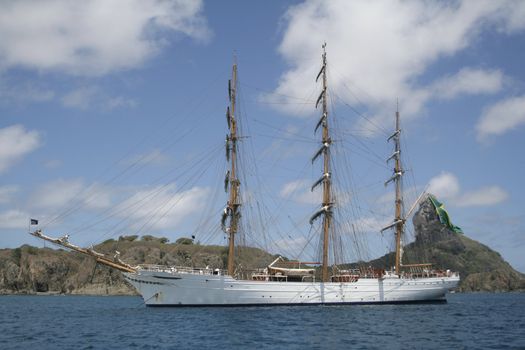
428	273
181	269
345	278
281	278
363	272
266	277
409	271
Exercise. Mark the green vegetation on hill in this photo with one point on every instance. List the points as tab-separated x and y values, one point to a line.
43	270
480	268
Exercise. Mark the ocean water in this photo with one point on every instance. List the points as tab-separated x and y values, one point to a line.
467	321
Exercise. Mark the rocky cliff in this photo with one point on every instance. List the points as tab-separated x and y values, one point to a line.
480	268
29	270
43	270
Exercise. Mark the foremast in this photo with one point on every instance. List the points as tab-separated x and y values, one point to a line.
231	180
325	180
399	220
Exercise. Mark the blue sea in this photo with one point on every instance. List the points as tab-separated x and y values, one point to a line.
467	321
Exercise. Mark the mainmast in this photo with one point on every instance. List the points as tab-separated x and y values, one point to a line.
399	221
326	205
231	181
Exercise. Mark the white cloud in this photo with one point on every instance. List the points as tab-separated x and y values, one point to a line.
53	163
89	96
468	81
6	192
14	219
56	194
14	92
162	207
410	195
501	117
383	48
445	185
292	246
120	102
98	196
484	196
15	143
513	16
80	98
300	192
283	146
292	187
92	37
155	157
61	193
388	198
372	224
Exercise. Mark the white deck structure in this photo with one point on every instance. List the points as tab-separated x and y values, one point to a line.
160	286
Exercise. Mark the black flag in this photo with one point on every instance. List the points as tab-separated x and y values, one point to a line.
34	222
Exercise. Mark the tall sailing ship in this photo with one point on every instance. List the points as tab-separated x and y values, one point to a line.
282	282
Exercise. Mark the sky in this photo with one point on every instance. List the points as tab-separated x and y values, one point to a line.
106	104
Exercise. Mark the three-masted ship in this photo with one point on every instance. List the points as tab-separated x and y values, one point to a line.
281	282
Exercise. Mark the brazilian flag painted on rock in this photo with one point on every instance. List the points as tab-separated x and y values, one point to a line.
444	218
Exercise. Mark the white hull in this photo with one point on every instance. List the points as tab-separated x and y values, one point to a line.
161	288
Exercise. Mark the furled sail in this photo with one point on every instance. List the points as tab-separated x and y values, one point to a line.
323	210
227	148
321	179
225	214
394	155
228	117
320	122
395	134
320	72
394	177
323	148
226	181
320	97
392	225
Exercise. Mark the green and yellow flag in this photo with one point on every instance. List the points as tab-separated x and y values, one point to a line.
444	218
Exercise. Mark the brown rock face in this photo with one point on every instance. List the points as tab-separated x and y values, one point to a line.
429	229
29	270
42	270
480	268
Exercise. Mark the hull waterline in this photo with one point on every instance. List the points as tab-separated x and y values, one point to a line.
185	289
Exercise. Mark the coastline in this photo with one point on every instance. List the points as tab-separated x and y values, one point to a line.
123	293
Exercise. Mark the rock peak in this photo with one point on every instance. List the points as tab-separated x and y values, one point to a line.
427	225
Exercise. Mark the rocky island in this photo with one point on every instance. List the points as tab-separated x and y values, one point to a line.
30	270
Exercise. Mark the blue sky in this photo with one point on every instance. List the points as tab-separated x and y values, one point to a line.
106	104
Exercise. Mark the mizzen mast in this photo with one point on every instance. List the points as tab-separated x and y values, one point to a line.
399	220
325	180
231	181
